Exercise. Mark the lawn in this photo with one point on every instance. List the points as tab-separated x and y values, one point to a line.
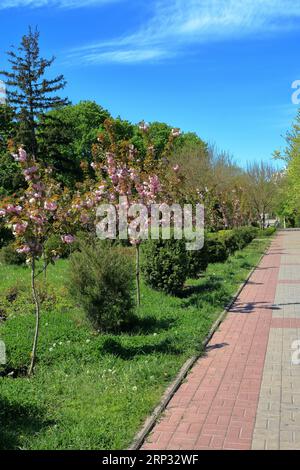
92	390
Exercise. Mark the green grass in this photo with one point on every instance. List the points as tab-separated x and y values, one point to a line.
93	391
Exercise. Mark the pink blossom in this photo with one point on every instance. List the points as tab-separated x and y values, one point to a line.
175	132
98	195
110	158
29	173
23	249
21	156
2	213
68	239
89	203
84	218
38	187
143	126
13	209
50	206
20	228
154	184
114	179
38	220
135	242
176	168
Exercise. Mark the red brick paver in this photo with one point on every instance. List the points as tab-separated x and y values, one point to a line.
217	405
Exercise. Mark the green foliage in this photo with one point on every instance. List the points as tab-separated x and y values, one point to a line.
55	247
197	262
101	279
11	178
215	248
6	235
7	126
9	255
230	239
165	264
237	238
66	137
267	232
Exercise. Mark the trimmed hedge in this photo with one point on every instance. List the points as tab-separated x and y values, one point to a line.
267	232
165	264
9	255
217	247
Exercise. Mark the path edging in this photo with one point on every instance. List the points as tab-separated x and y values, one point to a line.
187	366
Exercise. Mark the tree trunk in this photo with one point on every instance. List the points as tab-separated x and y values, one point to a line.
137	273
37	318
44	265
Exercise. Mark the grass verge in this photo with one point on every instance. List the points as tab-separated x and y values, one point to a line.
93	391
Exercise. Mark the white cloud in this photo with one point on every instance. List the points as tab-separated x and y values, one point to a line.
124	56
6	4
177	24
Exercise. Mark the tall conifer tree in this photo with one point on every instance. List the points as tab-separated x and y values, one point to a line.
29	92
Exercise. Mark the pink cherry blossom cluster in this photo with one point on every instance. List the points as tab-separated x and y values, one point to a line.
35	215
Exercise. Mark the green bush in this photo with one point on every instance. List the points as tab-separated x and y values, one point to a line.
165	264
55	246
270	231
101	279
216	248
231	240
297	220
6	235
9	255
247	234
267	232
238	238
197	262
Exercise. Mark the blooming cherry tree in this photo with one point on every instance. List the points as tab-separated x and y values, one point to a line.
128	181
33	217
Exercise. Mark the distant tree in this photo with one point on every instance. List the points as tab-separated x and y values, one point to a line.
66	136
29	93
262	189
7	126
159	133
10	175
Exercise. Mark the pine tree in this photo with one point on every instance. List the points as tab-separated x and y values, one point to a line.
29	93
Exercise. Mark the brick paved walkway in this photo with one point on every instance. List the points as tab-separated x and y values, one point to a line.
245	393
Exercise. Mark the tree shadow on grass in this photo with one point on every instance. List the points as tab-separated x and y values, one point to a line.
147	325
17	419
210	284
213	292
112	346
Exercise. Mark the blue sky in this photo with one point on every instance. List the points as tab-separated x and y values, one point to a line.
221	68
